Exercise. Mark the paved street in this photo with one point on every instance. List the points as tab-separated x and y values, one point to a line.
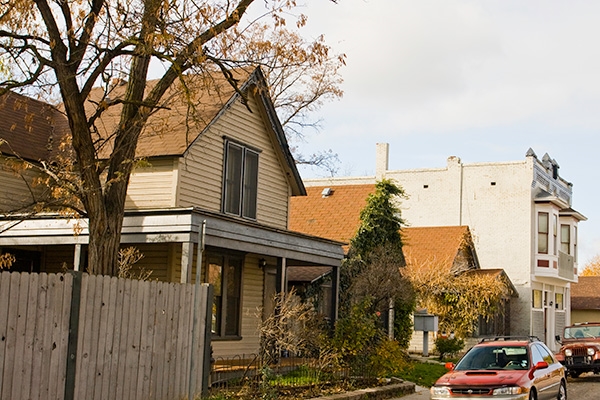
583	388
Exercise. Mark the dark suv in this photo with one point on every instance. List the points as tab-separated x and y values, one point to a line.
580	348
504	368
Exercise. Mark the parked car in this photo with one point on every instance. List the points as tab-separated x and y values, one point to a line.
504	368
580	348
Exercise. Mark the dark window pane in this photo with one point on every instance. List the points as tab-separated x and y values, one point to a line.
233	179
232	319
250	184
215	278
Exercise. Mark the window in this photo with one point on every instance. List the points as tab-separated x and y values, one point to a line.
555	233
558	300
241	180
546	355
224	273
537	299
543	233
565	239
575	243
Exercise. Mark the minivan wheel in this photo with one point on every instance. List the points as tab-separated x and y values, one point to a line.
532	395
562	392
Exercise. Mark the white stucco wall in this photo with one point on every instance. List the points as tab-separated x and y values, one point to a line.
496	200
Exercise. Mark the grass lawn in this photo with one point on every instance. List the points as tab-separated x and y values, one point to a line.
423	374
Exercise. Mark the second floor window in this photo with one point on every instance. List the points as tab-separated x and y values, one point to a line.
543	233
555	234
565	239
241	180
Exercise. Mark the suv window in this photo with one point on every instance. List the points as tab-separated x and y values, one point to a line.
536	356
546	355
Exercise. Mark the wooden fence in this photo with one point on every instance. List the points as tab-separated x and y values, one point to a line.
77	336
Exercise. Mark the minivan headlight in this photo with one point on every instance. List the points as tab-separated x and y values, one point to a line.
508	390
440	391
568	352
591	351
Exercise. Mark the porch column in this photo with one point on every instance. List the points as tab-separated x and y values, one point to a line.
281	275
335	293
187	261
77	258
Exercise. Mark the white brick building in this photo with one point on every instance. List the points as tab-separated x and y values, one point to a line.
521	217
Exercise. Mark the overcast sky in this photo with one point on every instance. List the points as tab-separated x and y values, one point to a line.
481	80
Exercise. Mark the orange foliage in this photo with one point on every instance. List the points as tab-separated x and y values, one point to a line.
592	267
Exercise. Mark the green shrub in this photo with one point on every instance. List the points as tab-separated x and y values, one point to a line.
388	359
448	346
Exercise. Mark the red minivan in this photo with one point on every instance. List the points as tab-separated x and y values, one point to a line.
504	368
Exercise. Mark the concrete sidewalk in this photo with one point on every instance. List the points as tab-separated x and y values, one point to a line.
421	393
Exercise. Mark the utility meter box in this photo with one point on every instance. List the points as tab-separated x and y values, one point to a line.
426	322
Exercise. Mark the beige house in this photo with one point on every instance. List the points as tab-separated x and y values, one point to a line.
224	165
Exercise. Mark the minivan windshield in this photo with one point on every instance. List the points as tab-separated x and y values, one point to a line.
494	358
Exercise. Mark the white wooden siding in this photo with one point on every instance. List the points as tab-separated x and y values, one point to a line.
153	186
155	259
201	171
14	192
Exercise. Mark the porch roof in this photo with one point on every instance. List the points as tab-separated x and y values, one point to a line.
179	225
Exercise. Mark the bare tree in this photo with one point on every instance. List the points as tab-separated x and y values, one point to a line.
66	48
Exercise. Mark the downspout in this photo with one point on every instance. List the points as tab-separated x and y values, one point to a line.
460	194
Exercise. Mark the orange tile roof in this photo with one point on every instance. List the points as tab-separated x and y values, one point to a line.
337	217
585	294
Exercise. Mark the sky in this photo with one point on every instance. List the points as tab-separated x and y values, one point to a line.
480	80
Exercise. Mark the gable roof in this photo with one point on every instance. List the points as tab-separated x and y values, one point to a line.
437	245
27	126
186	113
584	294
337	217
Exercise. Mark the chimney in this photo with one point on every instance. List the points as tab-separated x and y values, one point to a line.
382	154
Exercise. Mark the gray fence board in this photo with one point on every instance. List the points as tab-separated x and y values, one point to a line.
4	299
134	338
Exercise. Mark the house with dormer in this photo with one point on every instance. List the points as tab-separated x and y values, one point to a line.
211	199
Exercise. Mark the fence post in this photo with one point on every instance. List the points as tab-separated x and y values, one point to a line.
73	335
199	325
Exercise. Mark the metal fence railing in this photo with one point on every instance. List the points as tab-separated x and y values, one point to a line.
249	373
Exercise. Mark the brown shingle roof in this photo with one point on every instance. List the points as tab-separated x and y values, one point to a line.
173	127
27	126
585	295
337	217
437	245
